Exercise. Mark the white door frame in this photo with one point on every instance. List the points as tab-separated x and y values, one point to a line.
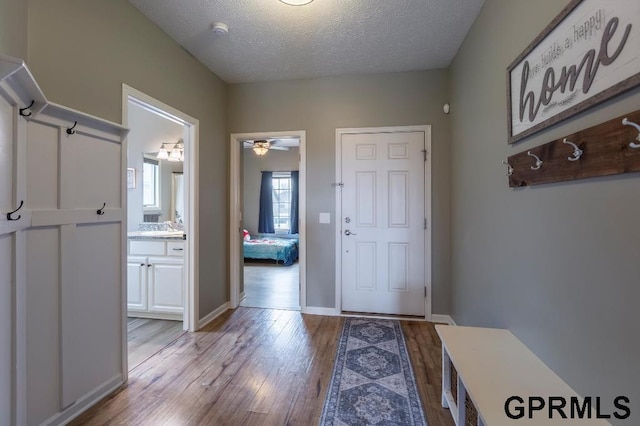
426	129
236	215
191	140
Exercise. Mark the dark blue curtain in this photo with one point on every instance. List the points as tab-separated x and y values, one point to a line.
294	202
265	220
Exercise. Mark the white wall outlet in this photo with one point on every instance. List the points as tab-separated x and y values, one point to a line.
325	217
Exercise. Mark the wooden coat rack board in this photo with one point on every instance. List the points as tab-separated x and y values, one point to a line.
607	149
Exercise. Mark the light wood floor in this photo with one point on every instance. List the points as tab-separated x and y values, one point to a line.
146	337
254	367
267	285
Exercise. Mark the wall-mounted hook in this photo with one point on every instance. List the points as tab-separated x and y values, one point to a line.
15	211
577	152
70	130
101	211
25	111
538	161
509	168
626	122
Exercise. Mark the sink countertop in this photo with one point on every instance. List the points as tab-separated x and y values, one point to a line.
157	235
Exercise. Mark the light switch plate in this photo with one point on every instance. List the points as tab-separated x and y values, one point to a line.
325	217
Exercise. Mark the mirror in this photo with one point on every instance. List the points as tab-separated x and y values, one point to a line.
177	197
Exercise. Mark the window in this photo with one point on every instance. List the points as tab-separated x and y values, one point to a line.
281	201
151	184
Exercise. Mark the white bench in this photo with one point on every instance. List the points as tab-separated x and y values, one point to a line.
483	367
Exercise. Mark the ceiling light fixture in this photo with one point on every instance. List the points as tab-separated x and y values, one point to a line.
261	148
296	2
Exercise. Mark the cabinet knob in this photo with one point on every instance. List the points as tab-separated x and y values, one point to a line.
142	264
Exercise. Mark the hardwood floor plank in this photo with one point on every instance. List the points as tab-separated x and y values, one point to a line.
253	367
267	285
148	336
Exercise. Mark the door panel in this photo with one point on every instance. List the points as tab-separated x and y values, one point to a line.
383	249
366	199
398	199
6	323
43	332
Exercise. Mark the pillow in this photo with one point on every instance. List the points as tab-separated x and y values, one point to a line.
245	235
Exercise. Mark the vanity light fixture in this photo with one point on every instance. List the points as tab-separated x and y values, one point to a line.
296	3
163	154
176	153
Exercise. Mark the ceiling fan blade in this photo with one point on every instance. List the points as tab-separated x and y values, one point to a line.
279	148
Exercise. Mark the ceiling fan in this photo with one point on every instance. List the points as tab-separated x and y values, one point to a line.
261	146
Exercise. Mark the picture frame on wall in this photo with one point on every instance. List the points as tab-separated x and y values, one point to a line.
131	178
589	53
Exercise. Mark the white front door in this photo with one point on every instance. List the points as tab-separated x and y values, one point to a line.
383	222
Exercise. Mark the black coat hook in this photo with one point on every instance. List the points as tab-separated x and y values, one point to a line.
23	110
70	130
101	211
11	213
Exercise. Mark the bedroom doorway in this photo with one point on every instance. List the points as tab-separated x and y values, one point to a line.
267	236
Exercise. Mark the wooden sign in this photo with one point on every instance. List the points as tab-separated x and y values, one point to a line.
609	148
586	55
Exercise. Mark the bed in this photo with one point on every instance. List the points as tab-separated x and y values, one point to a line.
283	250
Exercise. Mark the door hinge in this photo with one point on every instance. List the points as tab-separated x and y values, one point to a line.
425	292
425	223
424	151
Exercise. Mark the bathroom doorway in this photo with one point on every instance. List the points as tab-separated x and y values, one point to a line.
161	289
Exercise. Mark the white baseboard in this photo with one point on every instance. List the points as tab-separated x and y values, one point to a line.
313	310
213	315
443	319
156	315
86	402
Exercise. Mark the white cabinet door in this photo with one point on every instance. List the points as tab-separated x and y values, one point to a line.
137	283
166	285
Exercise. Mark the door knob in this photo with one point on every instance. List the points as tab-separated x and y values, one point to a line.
347	232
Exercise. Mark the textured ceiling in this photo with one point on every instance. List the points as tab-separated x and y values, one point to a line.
269	40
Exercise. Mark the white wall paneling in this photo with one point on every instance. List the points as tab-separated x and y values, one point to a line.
61	262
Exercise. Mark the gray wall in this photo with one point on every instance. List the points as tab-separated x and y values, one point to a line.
274	161
81	51
319	106
557	264
13	28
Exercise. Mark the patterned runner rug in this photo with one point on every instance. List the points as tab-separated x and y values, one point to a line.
372	382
